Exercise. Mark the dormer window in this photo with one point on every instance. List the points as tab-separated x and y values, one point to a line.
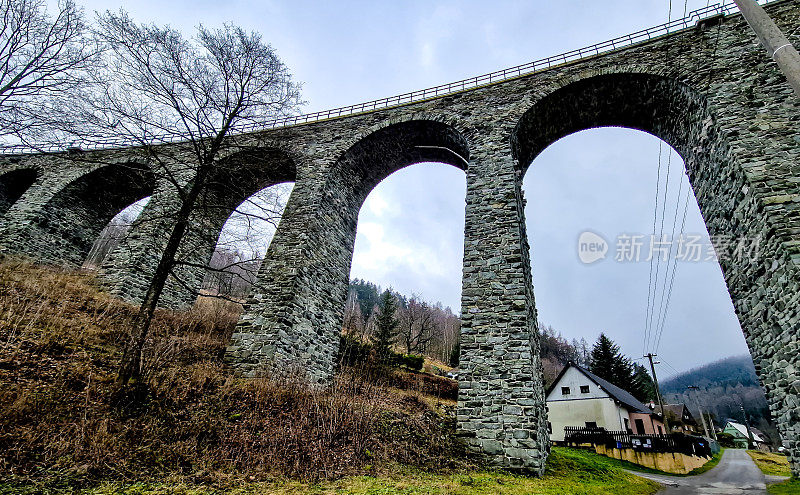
584	389
564	390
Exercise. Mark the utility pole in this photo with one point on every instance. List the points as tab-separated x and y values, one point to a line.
711	426
747	425
650	356
777	45
699	408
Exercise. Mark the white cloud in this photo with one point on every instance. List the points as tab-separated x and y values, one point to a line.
427	57
376	205
377	252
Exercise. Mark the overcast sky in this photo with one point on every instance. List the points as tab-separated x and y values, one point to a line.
410	231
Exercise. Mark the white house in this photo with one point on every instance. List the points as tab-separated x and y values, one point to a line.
580	398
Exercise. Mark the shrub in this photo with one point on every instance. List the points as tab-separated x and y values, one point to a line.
353	352
725	440
411	361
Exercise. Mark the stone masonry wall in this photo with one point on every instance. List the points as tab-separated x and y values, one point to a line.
501	404
709	91
60	215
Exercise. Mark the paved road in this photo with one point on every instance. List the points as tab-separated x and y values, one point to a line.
736	473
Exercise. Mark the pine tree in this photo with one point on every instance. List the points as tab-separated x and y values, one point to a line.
643	387
603	358
455	354
609	363
385	325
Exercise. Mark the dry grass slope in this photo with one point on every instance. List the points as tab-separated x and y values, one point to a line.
190	428
64	423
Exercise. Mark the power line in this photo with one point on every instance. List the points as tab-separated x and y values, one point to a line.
672	241
672	278
662	325
649	330
651	288
660	240
650	281
664	361
669	279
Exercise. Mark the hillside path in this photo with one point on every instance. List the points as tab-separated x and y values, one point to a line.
736	473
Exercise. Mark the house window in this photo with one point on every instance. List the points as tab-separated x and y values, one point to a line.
549	427
564	390
628	425
584	389
591	424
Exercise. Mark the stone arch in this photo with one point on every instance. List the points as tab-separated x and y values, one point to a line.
67	225
374	158
399	144
242	174
736	199
13	185
648	102
129	268
295	312
237	177
420	117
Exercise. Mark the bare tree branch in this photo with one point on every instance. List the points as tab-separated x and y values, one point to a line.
42	61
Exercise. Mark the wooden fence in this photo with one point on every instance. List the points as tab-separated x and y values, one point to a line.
675	442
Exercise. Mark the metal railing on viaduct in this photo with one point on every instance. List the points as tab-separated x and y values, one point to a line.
644	35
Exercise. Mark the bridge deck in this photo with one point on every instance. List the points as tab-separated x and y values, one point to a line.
472	83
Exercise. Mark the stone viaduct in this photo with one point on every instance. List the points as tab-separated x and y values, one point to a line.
708	90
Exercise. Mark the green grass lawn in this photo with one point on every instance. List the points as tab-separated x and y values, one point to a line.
770	463
791	487
569	472
773	464
643	469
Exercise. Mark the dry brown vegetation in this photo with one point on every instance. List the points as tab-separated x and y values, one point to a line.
64	421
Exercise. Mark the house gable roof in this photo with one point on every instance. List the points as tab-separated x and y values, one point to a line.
620	395
742	430
679	410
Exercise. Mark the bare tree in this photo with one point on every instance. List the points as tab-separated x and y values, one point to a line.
448	331
248	232
353	317
198	92
42	60
230	275
417	325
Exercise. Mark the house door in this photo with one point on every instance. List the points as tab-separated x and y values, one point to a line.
639	426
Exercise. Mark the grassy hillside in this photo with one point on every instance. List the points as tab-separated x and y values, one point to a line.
569	472
192	428
770	463
64	419
773	464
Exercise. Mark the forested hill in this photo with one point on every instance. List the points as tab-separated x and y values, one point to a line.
725	388
731	371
